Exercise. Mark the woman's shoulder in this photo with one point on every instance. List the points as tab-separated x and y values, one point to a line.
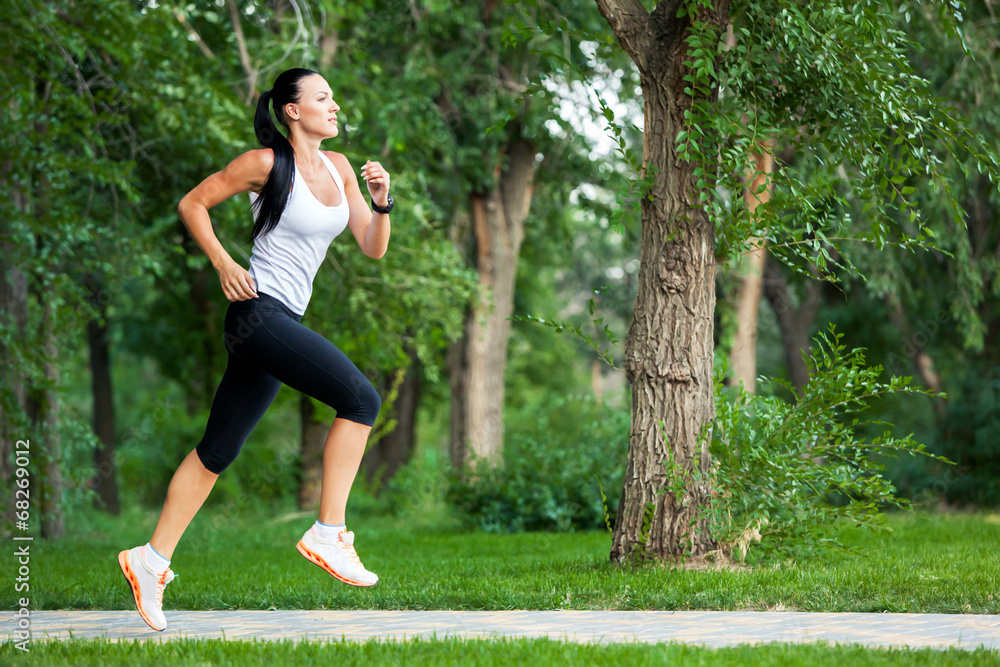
259	157
256	161
340	161
252	168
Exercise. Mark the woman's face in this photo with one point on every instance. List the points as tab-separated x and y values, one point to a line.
316	112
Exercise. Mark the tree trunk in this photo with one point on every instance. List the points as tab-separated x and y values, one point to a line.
914	346
14	313
314	434
668	349
458	380
43	398
498	229
795	323
329	41
743	356
395	448
104	481
43	408
597	379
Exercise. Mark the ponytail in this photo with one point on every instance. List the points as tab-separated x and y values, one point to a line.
269	206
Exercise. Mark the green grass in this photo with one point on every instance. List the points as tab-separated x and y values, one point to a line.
475	652
943	563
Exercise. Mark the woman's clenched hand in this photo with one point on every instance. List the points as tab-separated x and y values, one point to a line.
237	284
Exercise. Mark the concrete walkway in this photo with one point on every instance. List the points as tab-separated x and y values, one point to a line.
707	628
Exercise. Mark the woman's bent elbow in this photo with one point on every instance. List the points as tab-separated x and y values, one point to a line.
182	208
378	254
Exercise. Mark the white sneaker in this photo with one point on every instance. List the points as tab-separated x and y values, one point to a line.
337	557
147	585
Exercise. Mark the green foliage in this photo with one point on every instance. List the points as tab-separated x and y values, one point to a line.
69	191
604	505
787	473
832	81
551	38
547	480
870	164
604	355
412	298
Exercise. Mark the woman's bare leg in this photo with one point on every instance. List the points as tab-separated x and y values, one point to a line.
191	484
345	445
188	490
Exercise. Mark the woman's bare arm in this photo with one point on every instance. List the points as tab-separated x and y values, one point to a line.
249	171
373	239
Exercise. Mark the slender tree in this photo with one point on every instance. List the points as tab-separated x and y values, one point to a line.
743	356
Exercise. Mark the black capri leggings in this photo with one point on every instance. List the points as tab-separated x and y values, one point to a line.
267	346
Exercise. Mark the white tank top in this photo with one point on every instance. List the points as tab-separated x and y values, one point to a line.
284	262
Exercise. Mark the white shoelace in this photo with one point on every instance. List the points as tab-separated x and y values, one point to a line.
347	546
161	583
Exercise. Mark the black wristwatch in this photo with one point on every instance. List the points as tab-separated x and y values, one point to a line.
381	209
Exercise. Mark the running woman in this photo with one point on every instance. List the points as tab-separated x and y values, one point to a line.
302	198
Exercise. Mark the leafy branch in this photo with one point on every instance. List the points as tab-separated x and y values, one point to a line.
604	354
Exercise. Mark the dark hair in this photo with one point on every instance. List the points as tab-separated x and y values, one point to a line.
274	195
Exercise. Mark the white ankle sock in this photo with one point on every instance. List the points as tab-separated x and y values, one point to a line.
328	532
155	560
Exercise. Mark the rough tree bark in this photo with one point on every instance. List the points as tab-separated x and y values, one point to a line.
743	356
477	363
668	349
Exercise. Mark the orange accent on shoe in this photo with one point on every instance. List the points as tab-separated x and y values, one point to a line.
134	585
305	551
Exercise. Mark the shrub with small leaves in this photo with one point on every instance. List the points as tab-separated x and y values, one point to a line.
786	474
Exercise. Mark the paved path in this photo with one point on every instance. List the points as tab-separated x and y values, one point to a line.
708	628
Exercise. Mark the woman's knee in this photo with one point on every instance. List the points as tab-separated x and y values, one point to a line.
215	459
369	401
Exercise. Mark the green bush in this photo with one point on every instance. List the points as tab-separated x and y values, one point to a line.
556	460
787	474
